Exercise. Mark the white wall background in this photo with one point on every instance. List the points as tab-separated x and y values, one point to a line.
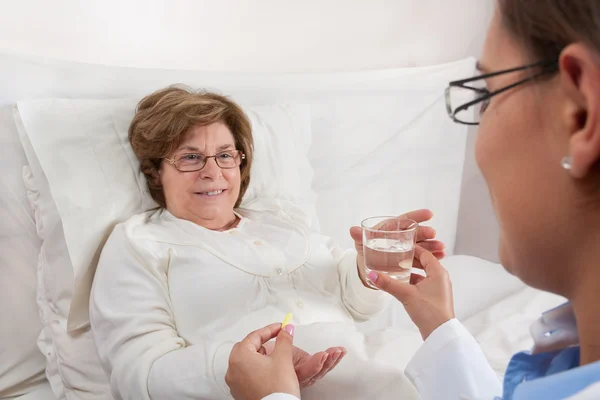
267	35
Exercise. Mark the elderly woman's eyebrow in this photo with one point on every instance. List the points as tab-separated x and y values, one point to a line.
197	150
189	148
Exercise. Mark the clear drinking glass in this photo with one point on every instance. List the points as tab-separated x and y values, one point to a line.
389	246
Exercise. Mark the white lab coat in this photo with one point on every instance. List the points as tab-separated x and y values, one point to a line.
170	299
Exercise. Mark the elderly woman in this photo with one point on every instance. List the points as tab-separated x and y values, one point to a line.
176	287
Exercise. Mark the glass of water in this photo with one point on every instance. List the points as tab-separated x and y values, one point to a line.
389	246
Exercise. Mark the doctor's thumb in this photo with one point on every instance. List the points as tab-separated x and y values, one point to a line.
401	291
284	343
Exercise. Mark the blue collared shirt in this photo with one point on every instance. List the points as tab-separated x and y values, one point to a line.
551	374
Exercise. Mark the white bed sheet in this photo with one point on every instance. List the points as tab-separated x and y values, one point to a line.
42	393
503	328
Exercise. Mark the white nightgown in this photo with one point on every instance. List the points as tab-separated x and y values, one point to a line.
170	299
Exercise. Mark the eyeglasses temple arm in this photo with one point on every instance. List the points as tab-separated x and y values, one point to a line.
489	95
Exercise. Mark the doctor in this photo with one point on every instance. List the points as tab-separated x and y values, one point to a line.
537	102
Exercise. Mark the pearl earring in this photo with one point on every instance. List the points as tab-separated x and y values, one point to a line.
566	162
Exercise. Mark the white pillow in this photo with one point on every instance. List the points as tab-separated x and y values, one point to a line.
22	364
86	179
385	154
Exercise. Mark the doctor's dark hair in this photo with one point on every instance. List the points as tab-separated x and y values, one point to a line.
164	117
546	27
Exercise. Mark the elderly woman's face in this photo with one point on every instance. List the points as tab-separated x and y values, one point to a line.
206	197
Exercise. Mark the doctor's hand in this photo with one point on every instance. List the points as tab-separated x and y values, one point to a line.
311	368
427	300
425	240
253	375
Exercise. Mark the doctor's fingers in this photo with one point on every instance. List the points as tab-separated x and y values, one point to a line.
416	260
356	234
425	233
428	261
435	247
256	339
284	348
401	291
418	215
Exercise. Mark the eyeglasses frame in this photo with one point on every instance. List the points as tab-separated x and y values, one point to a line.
240	154
547	67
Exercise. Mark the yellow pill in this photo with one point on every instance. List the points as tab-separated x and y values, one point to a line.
286	320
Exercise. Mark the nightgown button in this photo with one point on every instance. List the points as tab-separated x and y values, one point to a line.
279	271
300	304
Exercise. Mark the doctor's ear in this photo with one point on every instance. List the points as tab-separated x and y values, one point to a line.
580	82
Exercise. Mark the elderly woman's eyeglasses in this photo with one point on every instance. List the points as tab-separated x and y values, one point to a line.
191	162
467	99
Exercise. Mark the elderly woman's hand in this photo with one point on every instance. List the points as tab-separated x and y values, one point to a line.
311	368
253	375
425	240
427	300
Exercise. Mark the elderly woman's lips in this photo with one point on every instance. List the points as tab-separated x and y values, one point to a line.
212	192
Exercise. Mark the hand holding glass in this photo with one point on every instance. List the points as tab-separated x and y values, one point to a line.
389	246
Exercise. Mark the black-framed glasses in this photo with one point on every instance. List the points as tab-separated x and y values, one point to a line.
191	162
467	99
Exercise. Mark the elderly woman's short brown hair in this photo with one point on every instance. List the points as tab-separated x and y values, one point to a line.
163	118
